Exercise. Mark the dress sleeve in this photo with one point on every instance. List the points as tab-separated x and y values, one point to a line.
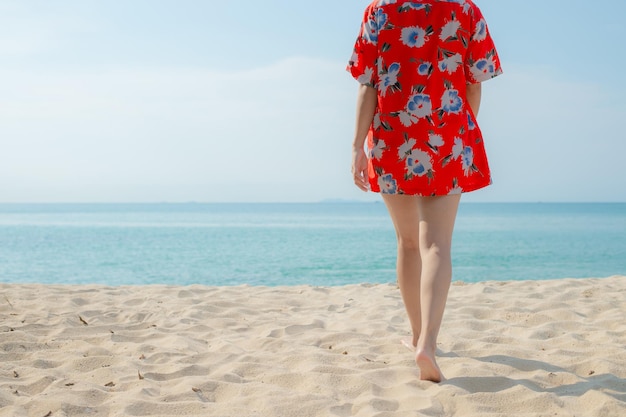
481	61
363	63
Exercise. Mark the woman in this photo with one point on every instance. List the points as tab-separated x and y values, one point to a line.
420	65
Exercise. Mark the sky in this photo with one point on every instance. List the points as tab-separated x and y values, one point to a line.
249	101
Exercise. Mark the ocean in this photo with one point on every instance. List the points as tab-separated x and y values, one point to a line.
320	244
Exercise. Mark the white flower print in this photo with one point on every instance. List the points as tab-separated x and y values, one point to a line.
434	140
457	149
449	30
456	190
386	2
451	64
376	122
413	36
406	148
367	76
419	163
377	151
406	119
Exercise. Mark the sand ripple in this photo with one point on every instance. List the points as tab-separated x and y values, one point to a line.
546	348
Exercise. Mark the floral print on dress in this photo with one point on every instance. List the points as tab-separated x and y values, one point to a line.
424	139
387	184
389	79
377	151
415	36
451	102
451	64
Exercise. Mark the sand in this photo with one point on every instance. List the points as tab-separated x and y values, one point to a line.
533	348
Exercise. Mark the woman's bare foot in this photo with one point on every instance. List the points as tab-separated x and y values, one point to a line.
429	370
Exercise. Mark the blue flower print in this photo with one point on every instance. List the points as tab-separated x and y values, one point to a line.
420	105
481	30
425	68
467	159
415	5
374	25
386	2
470	122
416	167
377	151
389	79
485	66
419	163
484	69
387	184
381	19
413	36
451	102
464	3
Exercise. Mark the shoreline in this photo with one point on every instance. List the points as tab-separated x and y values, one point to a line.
4	285
547	347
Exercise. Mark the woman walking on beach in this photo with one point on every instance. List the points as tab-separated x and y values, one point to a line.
420	65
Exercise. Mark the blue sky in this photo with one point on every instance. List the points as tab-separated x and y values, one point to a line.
191	100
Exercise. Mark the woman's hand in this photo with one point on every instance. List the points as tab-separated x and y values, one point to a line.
359	169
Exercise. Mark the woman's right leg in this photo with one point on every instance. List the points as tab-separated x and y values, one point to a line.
437	217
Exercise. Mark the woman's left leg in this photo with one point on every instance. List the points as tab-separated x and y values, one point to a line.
404	214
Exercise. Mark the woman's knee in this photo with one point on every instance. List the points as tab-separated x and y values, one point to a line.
431	250
408	243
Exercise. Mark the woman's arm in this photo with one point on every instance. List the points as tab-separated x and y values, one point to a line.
366	103
474	92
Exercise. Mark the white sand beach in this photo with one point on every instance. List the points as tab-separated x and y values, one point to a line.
532	348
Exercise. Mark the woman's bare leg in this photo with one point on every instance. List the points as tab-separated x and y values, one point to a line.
405	217
437	216
435	223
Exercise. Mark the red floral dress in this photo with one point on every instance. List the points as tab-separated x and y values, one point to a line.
420	56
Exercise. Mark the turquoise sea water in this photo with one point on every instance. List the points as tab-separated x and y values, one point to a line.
290	244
